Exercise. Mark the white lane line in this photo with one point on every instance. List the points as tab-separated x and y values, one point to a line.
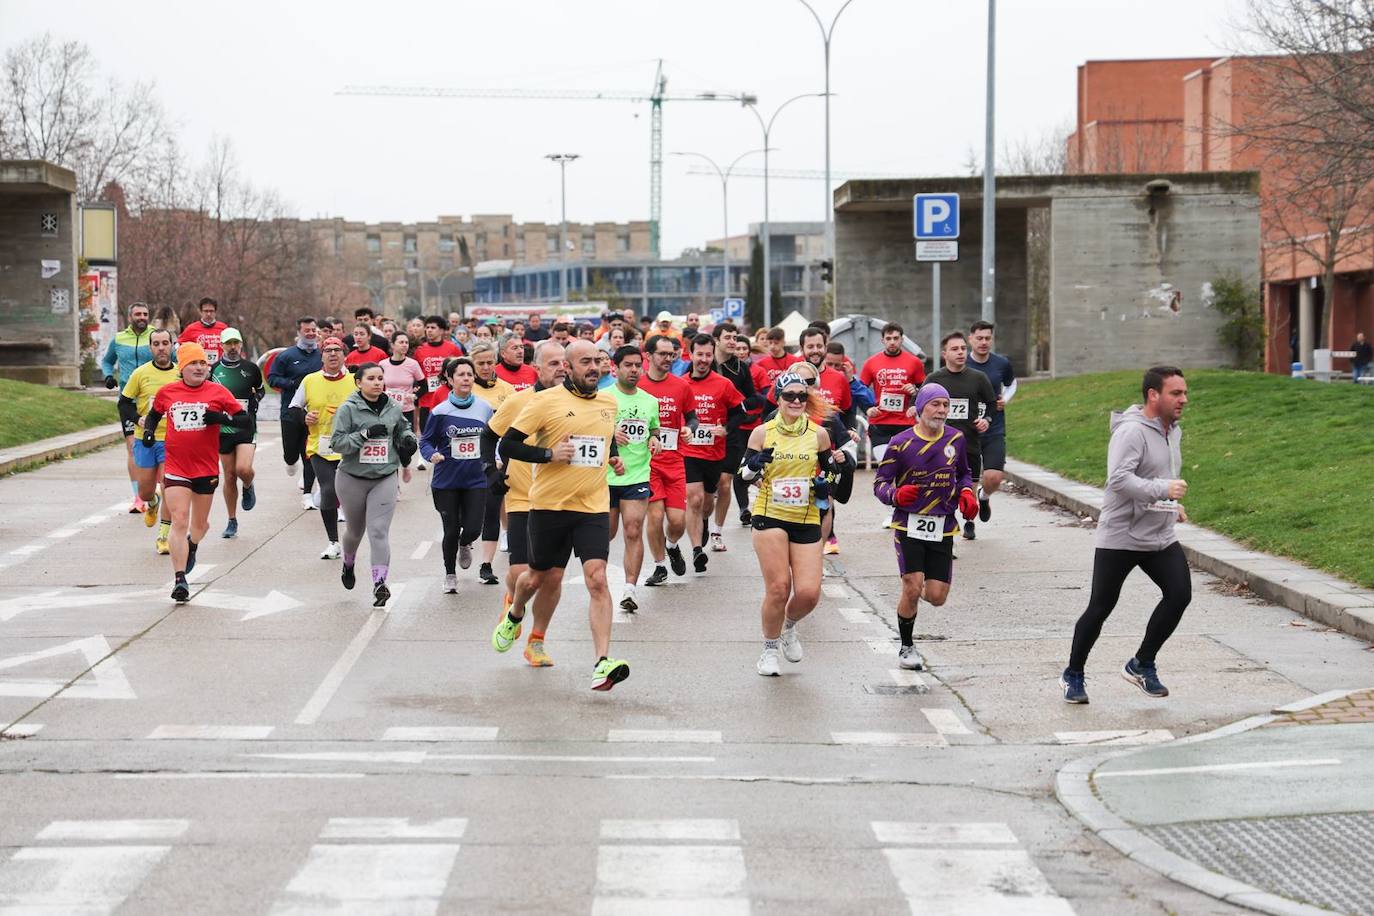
855	615
921	833
393	828
151	829
211	732
670	879
889	739
89	880
967	881
115	508
881	646
200	572
1222	767
310	713
440	733
835	590
1123	736
254	774
348	756
63	533
91	520
406	878
662	736
571	758
904	678
21	730
421	550
945	721
685	828
27	550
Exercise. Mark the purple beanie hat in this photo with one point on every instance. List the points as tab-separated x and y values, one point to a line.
927	393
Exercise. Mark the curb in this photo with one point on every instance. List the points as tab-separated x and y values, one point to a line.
1313	594
36	454
1073	786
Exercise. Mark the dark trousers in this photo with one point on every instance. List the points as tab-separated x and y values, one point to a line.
491	516
1167	568
461	511
294	435
329	499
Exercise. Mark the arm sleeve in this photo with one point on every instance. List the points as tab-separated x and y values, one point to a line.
107	362
488	444
128	414
1008	391
514	448
735	418
689	419
1123	458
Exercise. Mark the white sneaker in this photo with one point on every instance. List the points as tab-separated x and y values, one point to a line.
717	542
768	663
464	556
908	658
450	584
291	470
315	498
791	644
307	503
341	515
502	543
332	552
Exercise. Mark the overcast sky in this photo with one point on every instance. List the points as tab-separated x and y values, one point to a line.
908	77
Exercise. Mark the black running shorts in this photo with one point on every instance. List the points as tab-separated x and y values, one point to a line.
555	535
994	449
706	473
797	532
518	538
933	559
201	486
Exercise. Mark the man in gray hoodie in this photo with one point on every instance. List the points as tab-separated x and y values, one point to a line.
1136	529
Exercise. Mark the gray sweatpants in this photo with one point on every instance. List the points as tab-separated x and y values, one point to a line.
368	503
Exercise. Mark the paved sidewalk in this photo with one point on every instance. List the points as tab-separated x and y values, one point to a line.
1277	819
1325	598
35	454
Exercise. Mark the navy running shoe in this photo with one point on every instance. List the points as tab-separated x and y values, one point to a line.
1074	689
1146	677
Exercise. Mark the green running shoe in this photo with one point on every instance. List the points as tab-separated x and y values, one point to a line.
506	633
609	672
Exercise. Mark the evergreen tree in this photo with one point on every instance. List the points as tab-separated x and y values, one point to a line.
753	289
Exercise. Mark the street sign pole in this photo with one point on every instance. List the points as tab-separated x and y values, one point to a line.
935	305
935	226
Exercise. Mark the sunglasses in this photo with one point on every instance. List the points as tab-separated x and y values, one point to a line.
796	397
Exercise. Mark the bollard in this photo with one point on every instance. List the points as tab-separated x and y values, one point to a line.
1297	370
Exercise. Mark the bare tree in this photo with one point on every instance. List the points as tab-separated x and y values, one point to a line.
55	106
1309	120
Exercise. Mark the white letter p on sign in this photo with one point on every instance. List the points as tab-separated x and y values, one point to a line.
933	210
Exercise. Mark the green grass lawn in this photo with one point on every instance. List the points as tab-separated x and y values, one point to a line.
1284	466
31	412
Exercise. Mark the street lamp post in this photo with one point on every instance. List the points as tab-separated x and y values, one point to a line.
989	177
563	159
767	128
724	206
826	35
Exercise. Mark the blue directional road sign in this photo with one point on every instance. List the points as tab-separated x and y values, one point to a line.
936	217
734	308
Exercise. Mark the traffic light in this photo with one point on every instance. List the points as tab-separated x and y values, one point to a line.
828	271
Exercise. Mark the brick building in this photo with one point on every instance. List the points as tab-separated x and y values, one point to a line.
1189	114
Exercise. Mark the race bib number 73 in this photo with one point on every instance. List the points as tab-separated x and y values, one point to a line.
189	417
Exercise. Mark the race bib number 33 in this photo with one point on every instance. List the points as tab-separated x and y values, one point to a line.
791	491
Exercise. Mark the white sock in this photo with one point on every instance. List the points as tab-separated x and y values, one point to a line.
629	588
672	545
788	624
715	527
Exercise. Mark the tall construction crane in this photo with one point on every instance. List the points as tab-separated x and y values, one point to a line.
655	97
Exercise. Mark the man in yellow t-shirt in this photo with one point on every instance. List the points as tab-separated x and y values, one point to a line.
135	399
571	434
319	396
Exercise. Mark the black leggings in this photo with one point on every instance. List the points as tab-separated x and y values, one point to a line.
329	500
461	513
491	518
740	486
293	438
1167	568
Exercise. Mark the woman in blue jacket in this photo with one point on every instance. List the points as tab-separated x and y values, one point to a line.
451	443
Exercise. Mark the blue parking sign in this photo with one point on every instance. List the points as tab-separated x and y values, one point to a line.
935	217
734	308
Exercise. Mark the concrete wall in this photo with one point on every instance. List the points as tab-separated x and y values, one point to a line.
1114	250
39	317
876	273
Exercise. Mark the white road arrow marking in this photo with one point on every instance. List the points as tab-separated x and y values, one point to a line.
66	598
109	682
274	602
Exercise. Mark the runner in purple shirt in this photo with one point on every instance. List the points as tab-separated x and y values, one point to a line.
925	477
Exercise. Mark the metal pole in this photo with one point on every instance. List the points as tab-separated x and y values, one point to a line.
563	229
767	239
829	200
989	177
725	238
935	307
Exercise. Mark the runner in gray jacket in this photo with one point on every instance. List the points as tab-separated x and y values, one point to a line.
375	441
1136	529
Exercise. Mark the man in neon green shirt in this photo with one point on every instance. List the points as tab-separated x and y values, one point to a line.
636	436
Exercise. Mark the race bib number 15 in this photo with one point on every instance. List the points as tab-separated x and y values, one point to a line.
588	451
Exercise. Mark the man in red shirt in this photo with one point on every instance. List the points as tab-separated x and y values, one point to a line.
766	369
832	385
206	331
511	367
194	408
719	407
431	354
894	375
363	349
667	475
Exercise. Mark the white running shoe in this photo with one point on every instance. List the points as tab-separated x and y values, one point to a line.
341	515
908	658
717	542
768	664
450	584
332	552
291	470
307	503
315	498
791	644
502	543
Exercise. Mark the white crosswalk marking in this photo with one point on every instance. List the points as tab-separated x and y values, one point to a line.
889	739
1122	736
947	869
159	829
393	828
211	732
371	879
670	877
945	721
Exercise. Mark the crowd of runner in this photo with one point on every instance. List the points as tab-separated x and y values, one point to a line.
547	442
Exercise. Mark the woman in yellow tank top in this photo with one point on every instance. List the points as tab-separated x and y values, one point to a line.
787	458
